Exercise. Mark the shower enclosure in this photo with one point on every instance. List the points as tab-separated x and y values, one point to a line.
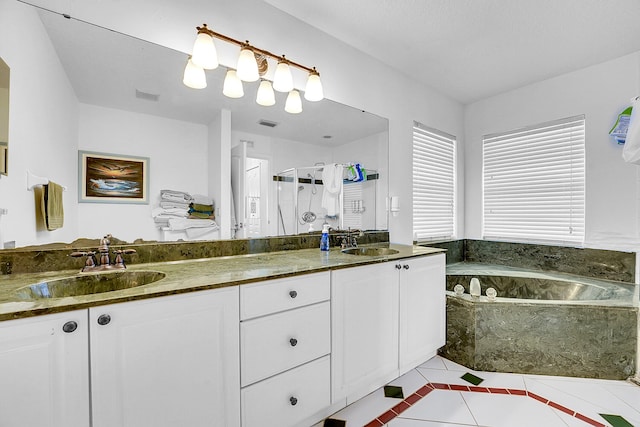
299	202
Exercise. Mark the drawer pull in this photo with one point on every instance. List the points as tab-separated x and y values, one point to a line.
293	294
293	401
398	266
69	327
406	266
104	319
293	342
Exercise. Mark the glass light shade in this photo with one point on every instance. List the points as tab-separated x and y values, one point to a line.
266	97
313	90
232	86
294	103
194	76
282	79
204	52
247	69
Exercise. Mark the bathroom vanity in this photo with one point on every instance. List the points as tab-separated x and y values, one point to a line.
281	339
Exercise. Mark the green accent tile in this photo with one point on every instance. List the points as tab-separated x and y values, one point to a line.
332	422
616	420
393	391
470	378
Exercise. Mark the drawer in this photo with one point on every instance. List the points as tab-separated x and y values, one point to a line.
259	299
289	398
273	344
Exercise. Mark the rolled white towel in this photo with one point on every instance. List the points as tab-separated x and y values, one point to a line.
169	204
194	233
185	223
171	212
202	200
175	196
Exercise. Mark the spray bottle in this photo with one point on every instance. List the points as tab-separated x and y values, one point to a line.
324	240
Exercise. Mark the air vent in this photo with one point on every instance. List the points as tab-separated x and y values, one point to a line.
147	96
268	123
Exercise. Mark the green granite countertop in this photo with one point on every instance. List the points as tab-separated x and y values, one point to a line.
192	275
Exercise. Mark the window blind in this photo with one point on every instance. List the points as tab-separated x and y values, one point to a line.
534	182
434	179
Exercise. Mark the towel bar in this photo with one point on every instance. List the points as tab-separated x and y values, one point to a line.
33	180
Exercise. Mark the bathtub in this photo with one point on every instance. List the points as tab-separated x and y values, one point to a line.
541	323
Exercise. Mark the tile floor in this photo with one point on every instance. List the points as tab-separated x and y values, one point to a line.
435	394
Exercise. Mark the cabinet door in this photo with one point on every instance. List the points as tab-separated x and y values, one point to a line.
44	371
422	309
364	314
171	361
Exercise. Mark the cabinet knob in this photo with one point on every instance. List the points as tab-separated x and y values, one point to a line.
293	401
293	342
69	327
406	266
104	319
398	266
293	294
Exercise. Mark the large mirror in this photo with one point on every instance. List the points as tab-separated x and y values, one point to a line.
4	117
131	102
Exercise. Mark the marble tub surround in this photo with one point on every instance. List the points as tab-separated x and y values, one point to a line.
588	329
546	339
545	286
189	275
596	263
55	257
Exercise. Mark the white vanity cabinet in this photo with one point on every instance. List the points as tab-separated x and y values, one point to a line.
285	336
387	318
44	371
169	361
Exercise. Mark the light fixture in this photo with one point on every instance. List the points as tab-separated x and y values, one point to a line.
247	69
265	97
293	104
204	51
282	79
313	90
232	86
252	64
194	76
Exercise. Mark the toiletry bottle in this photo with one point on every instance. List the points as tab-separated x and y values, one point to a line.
324	240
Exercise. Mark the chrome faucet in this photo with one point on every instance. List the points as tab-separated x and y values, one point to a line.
103	262
349	239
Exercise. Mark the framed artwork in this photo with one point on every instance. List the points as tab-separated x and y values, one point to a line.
113	178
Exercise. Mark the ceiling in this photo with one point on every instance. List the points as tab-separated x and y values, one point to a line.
474	49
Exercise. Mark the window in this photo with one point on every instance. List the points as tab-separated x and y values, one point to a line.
533	182
434	182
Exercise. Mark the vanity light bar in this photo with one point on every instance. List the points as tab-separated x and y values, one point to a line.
204	57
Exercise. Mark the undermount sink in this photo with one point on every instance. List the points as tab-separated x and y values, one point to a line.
370	251
88	284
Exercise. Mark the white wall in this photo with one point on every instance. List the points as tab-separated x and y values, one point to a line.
349	76
177	153
599	92
42	128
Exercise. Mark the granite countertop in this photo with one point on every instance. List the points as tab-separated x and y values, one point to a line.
192	275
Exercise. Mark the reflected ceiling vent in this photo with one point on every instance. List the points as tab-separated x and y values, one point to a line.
147	96
268	123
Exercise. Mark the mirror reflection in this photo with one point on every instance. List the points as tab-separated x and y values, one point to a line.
131	102
4	116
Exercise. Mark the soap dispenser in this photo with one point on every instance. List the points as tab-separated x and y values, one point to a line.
324	240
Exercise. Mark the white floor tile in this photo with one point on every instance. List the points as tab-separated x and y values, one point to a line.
509	411
442	406
402	422
436	362
590	398
453	366
446	377
410	382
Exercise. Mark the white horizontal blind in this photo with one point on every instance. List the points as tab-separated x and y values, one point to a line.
434	182
534	182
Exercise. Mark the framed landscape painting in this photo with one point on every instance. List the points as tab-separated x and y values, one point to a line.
113	178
